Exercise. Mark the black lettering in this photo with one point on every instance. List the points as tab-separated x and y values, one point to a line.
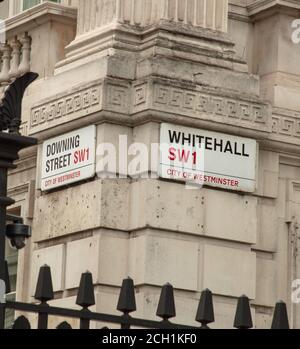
209	143
244	151
48	150
77	141
48	166
228	148
174	137
218	145
200	139
236	152
186	139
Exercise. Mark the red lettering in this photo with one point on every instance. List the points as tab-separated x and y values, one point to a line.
81	156
183	156
172	155
194	158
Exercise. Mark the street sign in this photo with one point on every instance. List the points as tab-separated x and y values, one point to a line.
208	158
68	158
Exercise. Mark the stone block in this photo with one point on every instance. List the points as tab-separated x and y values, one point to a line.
263	320
97	203
166	205
113	258
55	258
112	147
222	209
55	211
223	266
82	255
97	255
265	282
148	135
225	310
267	217
156	260
185	302
268	174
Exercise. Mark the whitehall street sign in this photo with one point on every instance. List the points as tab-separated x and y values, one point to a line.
69	158
207	158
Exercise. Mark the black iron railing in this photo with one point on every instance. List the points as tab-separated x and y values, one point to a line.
126	305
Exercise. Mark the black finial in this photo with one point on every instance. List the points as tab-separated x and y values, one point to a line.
243	317
205	314
166	307
44	289
127	302
11	105
86	296
21	323
64	326
280	319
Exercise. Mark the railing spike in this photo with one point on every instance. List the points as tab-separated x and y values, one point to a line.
243	317
64	326
44	289
280	319
166	306
21	323
86	296
127	303
205	313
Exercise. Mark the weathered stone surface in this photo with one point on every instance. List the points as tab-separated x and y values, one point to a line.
221	209
266	282
97	204
169	206
127	71
223	266
155	260
54	257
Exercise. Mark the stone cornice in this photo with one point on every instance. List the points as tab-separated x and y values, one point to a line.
239	13
262	8
258	7
29	19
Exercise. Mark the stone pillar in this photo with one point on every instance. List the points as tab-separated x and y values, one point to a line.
94	14
126	25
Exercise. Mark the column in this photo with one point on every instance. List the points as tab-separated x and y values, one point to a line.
94	14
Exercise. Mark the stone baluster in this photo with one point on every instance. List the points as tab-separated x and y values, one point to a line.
6	57
24	66
15	60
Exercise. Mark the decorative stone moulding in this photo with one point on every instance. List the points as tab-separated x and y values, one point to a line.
113	100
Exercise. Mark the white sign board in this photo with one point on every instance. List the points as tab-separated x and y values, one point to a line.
69	158
207	158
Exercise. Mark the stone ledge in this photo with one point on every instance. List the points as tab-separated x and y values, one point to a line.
31	18
259	7
165	35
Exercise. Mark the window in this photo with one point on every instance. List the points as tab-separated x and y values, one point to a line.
30	3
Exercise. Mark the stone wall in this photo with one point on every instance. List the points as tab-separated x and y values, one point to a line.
127	71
